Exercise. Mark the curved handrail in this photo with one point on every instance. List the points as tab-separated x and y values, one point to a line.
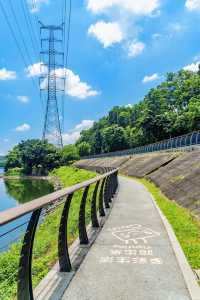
14	213
108	183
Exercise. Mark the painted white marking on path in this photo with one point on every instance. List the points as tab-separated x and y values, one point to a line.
135	248
134	233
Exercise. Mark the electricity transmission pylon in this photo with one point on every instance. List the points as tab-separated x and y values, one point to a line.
51	83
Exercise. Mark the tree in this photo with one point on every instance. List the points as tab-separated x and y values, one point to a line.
13	159
170	109
34	156
84	149
113	138
69	154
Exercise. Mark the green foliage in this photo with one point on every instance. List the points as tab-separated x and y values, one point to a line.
13	159
171	109
185	225
69	154
34	156
14	172
45	245
84	149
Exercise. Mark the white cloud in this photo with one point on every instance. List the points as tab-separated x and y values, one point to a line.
85	124
6	75
135	48
70	138
36	5
142	7
23	127
192	5
106	33
73	135
150	78
194	67
36	69
23	99
74	87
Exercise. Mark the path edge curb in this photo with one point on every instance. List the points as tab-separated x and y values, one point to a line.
186	270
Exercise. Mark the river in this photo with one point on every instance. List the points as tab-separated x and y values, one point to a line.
14	192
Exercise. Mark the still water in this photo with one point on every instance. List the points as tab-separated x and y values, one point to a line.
14	192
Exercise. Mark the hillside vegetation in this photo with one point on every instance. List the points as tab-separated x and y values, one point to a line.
170	109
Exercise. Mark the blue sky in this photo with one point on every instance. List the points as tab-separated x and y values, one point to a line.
119	49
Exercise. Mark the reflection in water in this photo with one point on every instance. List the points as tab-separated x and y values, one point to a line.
25	190
14	192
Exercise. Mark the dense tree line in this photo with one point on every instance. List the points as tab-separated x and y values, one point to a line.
170	109
37	157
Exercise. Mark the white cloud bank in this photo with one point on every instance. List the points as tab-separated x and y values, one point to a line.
22	128
7	75
74	87
73	135
135	48
192	5
142	7
23	99
36	69
106	33
194	67
150	78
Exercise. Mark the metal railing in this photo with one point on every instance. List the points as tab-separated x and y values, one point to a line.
104	189
186	141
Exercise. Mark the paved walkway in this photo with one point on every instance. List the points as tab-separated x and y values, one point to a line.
132	258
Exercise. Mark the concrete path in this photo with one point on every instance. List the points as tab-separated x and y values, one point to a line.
132	258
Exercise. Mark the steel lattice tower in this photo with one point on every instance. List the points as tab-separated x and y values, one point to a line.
50	83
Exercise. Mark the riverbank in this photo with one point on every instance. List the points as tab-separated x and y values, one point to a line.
45	246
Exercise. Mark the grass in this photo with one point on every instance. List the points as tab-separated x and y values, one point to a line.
184	223
45	246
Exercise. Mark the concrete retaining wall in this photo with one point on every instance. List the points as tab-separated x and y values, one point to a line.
177	174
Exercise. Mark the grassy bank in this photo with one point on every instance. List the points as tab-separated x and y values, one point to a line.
45	246
185	225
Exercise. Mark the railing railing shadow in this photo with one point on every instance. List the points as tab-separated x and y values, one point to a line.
105	187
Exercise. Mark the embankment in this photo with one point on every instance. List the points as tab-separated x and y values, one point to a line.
177	174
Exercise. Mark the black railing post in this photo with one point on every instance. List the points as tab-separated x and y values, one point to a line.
101	207
24	288
63	254
106	193
111	186
94	218
82	226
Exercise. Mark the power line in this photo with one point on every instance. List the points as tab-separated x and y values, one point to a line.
29	25
20	31
14	36
66	50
